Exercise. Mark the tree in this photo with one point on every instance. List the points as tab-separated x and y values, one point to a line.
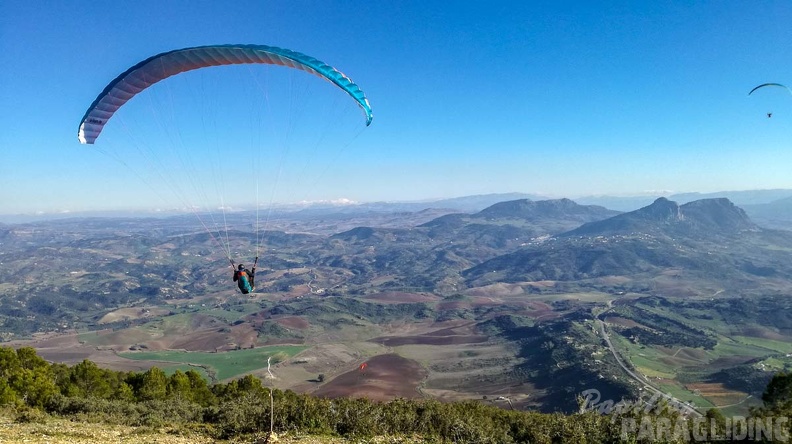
201	393
61	375
124	392
778	393
35	387
7	395
90	381
179	386
154	385
28	359
9	363
251	384
716	418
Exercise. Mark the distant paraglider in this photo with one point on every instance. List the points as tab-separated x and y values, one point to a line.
764	85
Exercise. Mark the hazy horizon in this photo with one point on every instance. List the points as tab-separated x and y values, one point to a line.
766	196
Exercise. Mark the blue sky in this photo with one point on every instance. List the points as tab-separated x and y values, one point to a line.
561	98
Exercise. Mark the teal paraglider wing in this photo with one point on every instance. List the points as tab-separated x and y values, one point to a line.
167	64
770	84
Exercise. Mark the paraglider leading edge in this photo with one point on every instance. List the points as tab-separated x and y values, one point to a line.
166	64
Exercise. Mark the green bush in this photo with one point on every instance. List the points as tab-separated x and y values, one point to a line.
244	415
31	389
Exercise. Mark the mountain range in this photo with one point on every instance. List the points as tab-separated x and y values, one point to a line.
710	240
770	208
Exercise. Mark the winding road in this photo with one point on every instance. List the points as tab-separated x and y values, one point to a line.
640	379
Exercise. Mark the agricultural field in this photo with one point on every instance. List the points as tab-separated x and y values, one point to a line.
699	374
224	365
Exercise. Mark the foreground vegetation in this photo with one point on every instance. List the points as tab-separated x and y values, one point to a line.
37	396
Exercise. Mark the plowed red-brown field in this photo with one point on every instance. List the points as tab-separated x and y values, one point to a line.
385	377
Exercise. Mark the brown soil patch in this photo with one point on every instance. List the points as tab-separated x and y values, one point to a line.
385	377
131	314
103	358
326	358
118	339
717	394
453	323
71	357
683	357
179	301
495	290
612	280
258	316
157	345
450	331
728	361
401	298
539	305
429	340
625	300
694	354
544	315
445	336
485	301
218	338
48	341
453	305
381	280
199	321
244	335
764	333
676	286
284	341
539	311
680	361
541	284
295	322
205	340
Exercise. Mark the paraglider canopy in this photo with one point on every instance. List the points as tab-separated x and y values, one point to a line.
763	85
167	64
